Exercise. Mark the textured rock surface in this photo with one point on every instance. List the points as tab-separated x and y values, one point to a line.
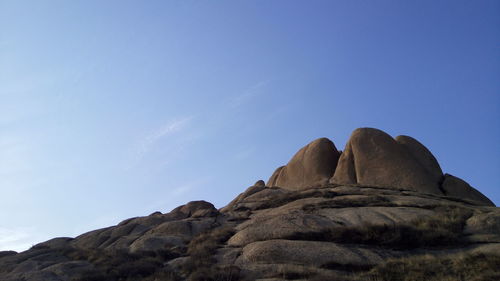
456	187
484	227
422	155
314	253
324	232
372	157
313	165
388	200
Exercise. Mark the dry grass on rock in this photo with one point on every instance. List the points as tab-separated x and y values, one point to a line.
478	267
443	230
201	264
121	265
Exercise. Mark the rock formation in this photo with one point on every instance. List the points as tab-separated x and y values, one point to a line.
381	210
372	157
312	166
455	187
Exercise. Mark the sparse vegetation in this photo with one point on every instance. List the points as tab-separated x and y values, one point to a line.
201	264
477	267
197	261
292	272
442	230
120	265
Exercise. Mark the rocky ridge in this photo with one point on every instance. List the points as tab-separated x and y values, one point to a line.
370	212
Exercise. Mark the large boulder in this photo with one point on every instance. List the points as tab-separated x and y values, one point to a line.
312	166
422	155
374	158
456	187
194	209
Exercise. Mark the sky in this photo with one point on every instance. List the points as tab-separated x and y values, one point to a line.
116	109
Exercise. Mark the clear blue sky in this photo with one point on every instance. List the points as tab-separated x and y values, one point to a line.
115	109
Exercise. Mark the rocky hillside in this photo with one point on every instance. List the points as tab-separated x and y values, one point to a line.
382	209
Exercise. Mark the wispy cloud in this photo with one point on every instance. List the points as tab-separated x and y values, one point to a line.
182	189
168	129
244	153
168	134
248	94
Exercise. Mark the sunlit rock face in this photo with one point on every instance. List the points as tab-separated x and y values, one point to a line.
311	166
372	157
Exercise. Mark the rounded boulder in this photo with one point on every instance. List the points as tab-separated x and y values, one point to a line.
311	166
374	158
456	187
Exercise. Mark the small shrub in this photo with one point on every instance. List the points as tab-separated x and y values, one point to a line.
119	264
347	267
163	275
201	264
227	273
93	275
137	268
477	267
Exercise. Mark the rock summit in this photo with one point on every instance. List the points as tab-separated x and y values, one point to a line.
372	158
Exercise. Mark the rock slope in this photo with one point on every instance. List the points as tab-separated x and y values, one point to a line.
380	210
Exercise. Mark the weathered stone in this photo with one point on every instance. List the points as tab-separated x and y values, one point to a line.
251	190
484	227
178	263
70	269
281	227
311	166
177	228
486	223
151	242
56	243
121	243
194	209
310	253
284	233
260	183
374	158
265	194
277	272
274	177
92	239
228	255
362	216
7	253
422	155
456	187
